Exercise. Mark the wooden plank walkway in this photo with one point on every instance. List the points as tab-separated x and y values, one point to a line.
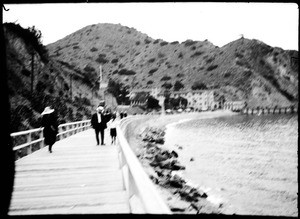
77	178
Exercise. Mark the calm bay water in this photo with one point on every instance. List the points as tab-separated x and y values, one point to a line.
247	163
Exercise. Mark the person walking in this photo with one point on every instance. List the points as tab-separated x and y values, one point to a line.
49	122
112	124
99	123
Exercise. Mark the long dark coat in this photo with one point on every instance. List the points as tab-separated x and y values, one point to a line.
49	122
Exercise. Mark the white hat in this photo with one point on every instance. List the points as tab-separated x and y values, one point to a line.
47	110
100	108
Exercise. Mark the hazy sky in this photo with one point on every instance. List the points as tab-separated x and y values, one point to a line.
276	24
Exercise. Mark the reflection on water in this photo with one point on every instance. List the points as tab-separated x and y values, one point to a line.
249	163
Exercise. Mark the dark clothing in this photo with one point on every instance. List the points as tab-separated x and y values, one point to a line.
101	131
49	122
99	127
113	132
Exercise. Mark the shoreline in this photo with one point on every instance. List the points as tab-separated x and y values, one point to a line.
161	163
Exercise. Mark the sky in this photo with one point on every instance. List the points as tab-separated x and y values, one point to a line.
275	24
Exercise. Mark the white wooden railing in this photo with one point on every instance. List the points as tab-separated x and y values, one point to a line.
64	130
68	129
142	195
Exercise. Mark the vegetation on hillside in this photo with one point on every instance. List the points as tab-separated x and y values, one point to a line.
32	37
34	83
140	61
67	78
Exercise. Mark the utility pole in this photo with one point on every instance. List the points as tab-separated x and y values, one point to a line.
100	80
32	71
71	86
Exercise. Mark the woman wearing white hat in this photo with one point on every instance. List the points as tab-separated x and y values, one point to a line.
49	122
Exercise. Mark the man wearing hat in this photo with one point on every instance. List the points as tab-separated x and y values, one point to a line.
99	123
49	122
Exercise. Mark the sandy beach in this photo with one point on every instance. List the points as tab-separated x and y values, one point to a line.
161	162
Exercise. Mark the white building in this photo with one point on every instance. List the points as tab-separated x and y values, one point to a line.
196	99
234	105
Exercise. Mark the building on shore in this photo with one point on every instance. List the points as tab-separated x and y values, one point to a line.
235	105
196	99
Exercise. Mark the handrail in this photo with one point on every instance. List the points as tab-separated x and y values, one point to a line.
64	130
136	181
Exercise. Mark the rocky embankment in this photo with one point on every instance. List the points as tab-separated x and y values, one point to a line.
164	169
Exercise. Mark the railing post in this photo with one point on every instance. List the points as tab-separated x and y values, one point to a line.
29	149
60	131
41	136
68	127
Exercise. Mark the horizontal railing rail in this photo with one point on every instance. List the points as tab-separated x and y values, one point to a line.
140	189
35	136
68	129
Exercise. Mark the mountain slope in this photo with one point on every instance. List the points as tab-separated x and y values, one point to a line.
50	84
243	69
66	73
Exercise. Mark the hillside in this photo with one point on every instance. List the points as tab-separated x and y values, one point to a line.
242	69
51	83
66	72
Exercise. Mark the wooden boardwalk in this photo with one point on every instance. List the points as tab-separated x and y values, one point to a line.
77	178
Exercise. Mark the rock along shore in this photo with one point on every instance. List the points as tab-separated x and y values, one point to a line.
162	164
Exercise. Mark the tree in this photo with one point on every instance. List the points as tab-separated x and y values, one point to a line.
119	91
178	85
152	103
199	86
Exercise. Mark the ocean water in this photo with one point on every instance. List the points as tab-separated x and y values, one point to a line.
247	164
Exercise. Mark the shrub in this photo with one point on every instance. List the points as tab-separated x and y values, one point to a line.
199	86
155	41
26	72
175	42
163	43
40	87
247	73
101	59
147	41
210	60
152	71
66	86
126	72
165	78
93	49
167	85
242	63
150	82
180	56
212	67
198	53
114	61
161	55
239	55
109	46
151	60
178	85
137	43
227	74
89	69
189	42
